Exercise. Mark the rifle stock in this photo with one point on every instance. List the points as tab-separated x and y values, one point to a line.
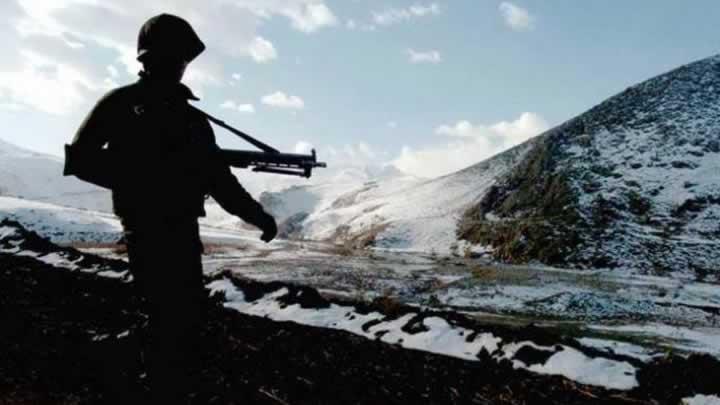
292	164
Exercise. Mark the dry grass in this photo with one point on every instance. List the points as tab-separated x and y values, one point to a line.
343	249
114	248
388	305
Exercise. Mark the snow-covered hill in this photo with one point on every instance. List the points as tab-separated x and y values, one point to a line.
392	211
61	224
291	197
66	225
38	177
632	183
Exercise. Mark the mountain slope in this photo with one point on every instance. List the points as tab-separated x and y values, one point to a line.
394	211
632	183
36	176
62	224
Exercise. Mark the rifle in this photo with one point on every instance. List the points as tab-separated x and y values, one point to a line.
268	159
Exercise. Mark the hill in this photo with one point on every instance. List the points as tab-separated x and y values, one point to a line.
36	176
632	183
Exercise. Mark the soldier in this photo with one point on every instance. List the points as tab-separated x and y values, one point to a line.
160	159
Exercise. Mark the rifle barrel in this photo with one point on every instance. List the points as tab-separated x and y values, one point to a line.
273	162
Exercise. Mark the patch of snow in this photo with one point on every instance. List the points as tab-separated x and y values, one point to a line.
704	340
573	364
621	348
436	336
58	260
122	275
6	231
702	400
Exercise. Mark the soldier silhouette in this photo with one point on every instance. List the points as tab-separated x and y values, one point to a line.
160	159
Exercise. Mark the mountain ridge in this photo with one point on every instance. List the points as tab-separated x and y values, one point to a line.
38	176
618	186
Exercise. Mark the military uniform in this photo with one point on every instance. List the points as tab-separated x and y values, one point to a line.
159	157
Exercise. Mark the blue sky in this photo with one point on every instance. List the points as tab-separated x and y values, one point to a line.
429	86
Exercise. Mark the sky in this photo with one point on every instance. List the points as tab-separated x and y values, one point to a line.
430	87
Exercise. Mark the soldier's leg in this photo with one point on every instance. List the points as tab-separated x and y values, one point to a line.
176	309
124	369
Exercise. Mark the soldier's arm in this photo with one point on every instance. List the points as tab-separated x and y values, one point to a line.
233	198
86	156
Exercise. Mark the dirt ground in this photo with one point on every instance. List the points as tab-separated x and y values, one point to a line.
62	341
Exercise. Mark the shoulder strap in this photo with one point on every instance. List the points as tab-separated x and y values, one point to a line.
258	144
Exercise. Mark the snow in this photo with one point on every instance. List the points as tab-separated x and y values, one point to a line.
409	215
653	145
121	275
66	225
57	260
61	224
621	348
573	364
700	339
36	176
402	212
702	400
53	259
6	231
437	336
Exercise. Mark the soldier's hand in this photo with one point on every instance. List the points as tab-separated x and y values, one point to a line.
268	227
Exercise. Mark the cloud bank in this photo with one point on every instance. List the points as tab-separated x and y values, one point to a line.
468	144
51	48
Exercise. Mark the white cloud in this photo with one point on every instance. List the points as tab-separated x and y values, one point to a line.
243	108
469	144
353	25
247	108
395	15
70	34
357	155
424	56
392	125
112	71
517	18
282	100
310	17
303	147
46	85
262	50
235	79
13	107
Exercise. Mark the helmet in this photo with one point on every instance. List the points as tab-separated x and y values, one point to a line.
168	36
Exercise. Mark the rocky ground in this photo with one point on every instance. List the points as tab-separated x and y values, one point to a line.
64	340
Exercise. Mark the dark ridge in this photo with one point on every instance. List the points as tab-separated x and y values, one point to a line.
30	241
